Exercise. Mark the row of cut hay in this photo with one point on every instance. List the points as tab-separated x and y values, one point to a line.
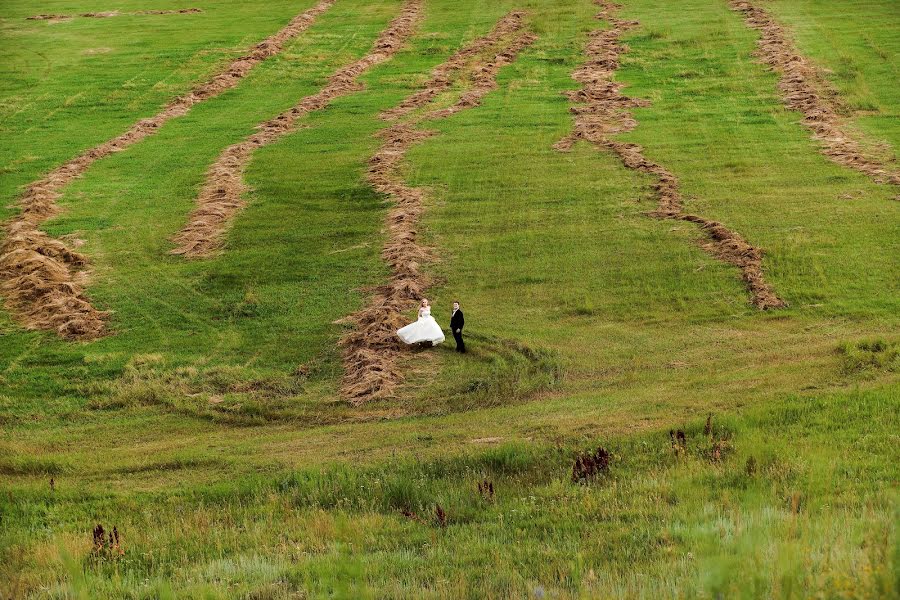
220	198
371	349
601	110
41	280
442	75
805	90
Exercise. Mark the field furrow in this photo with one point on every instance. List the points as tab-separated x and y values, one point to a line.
41	279
220	199
602	110
371	348
805	89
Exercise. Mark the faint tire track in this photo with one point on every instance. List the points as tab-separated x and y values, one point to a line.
220	198
371	349
42	280
805	89
601	110
114	13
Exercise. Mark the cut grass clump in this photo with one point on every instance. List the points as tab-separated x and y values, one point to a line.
874	355
31	465
222	393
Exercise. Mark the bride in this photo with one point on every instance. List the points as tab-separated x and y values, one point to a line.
425	329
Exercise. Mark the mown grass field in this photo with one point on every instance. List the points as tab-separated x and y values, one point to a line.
208	428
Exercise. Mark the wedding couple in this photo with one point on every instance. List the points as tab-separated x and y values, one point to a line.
426	329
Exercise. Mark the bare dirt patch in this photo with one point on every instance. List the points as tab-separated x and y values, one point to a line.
220	198
41	280
371	347
805	89
601	110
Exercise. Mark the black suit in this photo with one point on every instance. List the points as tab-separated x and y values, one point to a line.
457	322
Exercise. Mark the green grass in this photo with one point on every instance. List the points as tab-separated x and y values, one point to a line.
796	505
208	427
856	44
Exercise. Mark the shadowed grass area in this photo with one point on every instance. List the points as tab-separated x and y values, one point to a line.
208	428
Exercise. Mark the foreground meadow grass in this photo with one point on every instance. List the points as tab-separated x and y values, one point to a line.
784	502
208	430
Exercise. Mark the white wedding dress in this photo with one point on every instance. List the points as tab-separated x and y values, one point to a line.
425	329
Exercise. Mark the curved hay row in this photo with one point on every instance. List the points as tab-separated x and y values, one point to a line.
371	348
220	198
115	13
39	276
800	86
601	110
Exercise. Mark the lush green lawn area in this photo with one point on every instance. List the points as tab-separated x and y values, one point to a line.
208	427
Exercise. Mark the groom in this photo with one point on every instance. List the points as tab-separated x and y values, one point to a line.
457	322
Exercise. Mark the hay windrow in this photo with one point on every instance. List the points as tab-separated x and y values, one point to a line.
601	110
41	280
370	348
805	89
220	198
114	13
442	75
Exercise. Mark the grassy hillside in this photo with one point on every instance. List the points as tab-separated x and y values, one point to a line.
208	427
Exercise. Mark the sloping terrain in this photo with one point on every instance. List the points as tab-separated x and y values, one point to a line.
371	349
220	198
806	90
625	424
37	273
604	111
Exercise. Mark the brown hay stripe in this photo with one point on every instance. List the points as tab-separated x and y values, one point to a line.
806	90
115	13
441	76
42	280
371	348
220	199
601	110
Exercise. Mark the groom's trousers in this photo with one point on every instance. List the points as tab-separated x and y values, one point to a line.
460	344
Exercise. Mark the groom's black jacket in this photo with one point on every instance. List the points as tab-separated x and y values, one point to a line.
457	321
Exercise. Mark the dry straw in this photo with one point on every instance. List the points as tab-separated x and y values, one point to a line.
805	90
42	280
371	348
220	198
602	110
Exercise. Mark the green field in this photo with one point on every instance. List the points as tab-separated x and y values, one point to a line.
208	426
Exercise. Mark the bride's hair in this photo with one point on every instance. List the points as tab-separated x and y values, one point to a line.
424	301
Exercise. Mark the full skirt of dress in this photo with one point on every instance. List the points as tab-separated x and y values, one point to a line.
425	329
